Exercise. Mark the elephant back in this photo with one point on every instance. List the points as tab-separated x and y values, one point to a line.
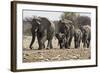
47	24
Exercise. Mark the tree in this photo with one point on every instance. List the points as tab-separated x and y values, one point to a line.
76	19
72	16
84	20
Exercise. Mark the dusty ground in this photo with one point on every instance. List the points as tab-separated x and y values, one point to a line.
54	54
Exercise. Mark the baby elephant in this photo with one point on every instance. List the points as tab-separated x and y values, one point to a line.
61	39
86	31
77	37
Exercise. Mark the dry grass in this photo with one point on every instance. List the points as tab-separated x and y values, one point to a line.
54	54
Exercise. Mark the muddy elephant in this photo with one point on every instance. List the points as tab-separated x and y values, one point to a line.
61	39
86	38
77	37
66	27
45	31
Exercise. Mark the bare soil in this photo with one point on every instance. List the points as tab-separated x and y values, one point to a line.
54	54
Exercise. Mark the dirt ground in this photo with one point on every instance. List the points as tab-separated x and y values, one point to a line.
54	54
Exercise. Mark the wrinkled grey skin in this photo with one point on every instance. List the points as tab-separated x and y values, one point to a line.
45	31
86	38
61	39
77	37
68	29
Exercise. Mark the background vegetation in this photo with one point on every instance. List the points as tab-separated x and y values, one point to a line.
76	18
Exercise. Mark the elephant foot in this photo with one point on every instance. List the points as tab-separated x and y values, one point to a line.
39	48
31	48
62	47
48	48
87	46
68	48
77	48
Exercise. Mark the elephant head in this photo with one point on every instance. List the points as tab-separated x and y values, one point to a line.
35	23
65	25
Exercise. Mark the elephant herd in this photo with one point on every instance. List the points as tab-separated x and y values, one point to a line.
44	29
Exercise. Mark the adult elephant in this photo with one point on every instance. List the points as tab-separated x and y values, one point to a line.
45	31
77	37
66	27
86	38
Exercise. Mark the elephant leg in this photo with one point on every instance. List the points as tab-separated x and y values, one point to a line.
41	45
49	38
76	43
70	40
80	43
84	42
42	42
67	45
60	46
84	45
32	41
67	41
88	43
39	41
49	46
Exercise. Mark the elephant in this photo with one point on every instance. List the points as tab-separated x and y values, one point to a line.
66	27
86	38
45	31
61	39
77	37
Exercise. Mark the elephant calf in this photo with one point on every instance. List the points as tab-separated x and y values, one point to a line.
86	30
61	39
77	37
